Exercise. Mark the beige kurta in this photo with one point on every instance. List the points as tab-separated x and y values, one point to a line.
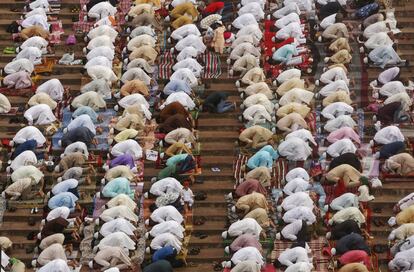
261	174
402	163
18	188
301	109
122	199
260	87
286	123
126	134
52	252
134	86
177	148
71	160
28	171
5	105
130	121
342	56
144	52
119	171
57	238
90	99
340	44
257	136
338	96
289	85
42	98
254	75
347	173
260	215
5	242
182	135
353	267
251	201
406	216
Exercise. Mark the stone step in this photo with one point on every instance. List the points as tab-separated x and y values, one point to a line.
18	228
216	214
21	215
213	200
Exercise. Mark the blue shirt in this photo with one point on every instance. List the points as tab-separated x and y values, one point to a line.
118	186
176	159
177	86
263	157
163	253
285	53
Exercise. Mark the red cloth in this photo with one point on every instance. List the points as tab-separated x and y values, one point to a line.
340	188
355	256
227	35
214	7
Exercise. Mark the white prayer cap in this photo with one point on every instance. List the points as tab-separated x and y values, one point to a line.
392	221
227	250
326	59
34	262
333	251
3	194
233	209
224	234
147	222
90	264
147	235
60	142
328	235
148	250
279	208
59	179
97	221
330	222
146	195
278	236
96	235
11	143
57	168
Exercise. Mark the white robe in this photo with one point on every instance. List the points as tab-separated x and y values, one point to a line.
130	147
188	52
292	30
102	10
166	186
244	226
328	21
333	74
141	40
120	211
389	135
333	87
28	171
117	239
303	134
77	147
44	4
36	41
259	99
36	20
257	114
297	172
19	65
40	114
166	239
31	53
170	226
247	254
375	28
117	225
377	40
300	213
101	72
288	74
348	213
100	60
392	87
5	105
29	133
53	88
143	30
295	149
55	265
193	41
103	30
186	75
336	109
185	30
344	201
289	7
294	255
253	8
297	199
181	97
403	98
296	185
244	48
244	20
101	51
100	41
341	147
284	21
64	186
27	157
167	213
136	73
252	30
291	230
82	120
191	64
338	122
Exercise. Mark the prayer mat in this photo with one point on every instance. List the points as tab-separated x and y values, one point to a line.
267	268
57	31
20	92
165	65
317	245
212	64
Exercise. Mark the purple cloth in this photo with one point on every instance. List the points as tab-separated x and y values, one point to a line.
123	160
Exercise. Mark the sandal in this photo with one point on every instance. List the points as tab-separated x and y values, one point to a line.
194	251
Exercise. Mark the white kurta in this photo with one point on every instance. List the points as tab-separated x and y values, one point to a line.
296	185
333	87
389	135
136	73
5	105
117	225
40	114
336	109
166	239
333	74
186	75
130	147
300	213
141	40
244	226
19	65
341	147
170	226
294	255
259	99
352	213
294	149
27	157
103	30
29	133
303	134
247	254
403	98
117	239
288	74
284	21
100	60
297	199
257	114
188	52
287	8
167	213
244	20
185	30
297	172
193	41
101	51
82	120
291	230
181	97
166	186
31	53
102	40
191	64
120	211
55	265
53	88
344	201
296	95
253	8
339	122
102	10
391	88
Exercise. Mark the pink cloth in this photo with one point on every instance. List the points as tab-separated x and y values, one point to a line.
355	256
19	80
250	186
245	240
344	132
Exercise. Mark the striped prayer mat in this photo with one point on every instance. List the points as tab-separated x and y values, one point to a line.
317	245
212	65
165	65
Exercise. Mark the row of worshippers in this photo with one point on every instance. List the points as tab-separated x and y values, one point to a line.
171	196
116	243
346	209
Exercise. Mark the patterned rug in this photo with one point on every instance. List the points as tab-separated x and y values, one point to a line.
317	245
